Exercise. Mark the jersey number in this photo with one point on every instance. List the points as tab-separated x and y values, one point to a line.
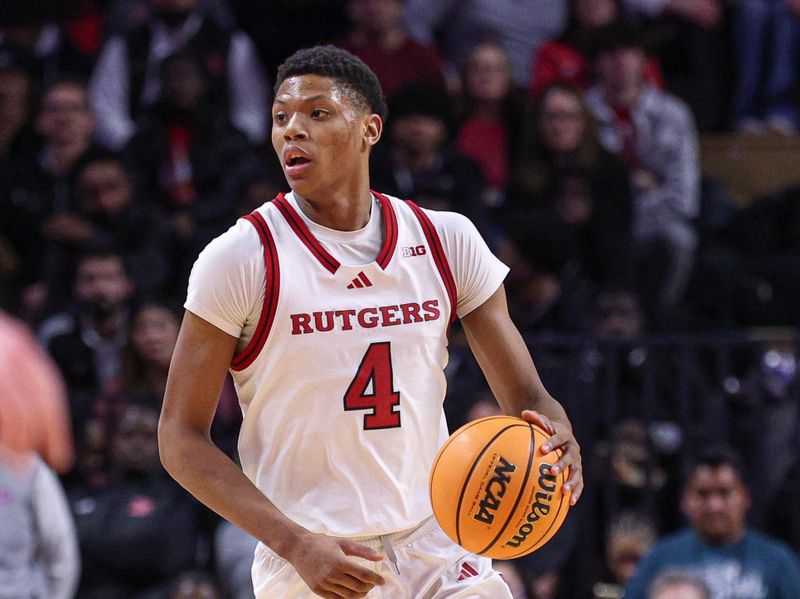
375	369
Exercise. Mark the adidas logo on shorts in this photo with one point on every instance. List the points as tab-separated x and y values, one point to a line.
467	571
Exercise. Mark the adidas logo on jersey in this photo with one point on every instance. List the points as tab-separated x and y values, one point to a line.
360	282
467	571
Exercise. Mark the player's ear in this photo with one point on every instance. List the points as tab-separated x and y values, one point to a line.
373	128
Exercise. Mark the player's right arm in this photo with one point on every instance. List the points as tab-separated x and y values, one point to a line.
197	372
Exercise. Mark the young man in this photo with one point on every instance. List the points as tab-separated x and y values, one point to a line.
718	547
331	307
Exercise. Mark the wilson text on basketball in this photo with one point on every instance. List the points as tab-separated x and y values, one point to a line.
540	506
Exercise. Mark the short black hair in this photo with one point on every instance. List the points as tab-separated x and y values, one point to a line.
350	72
716	456
421	98
616	36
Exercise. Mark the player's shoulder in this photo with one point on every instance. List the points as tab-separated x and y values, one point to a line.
239	243
444	221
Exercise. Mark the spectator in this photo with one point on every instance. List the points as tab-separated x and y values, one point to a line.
32	31
547	293
125	83
379	39
629	538
582	190
113	216
187	157
281	27
767	37
15	105
766	399
690	39
16	139
733	560
678	585
40	190
568	59
654	133
488	133
38	547
86	340
141	530
520	27
418	163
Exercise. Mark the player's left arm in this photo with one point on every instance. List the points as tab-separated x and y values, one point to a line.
507	364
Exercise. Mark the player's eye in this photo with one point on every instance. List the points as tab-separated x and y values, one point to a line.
318	113
279	117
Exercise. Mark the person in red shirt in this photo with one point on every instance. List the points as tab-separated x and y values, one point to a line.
488	133
380	40
567	59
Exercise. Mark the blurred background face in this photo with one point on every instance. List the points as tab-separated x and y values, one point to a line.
181	83
621	69
487	75
418	134
104	188
375	16
65	115
135	444
715	502
14	95
618	315
154	334
592	14
623	554
102	284
561	121
678	590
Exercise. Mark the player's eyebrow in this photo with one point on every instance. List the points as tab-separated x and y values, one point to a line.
309	99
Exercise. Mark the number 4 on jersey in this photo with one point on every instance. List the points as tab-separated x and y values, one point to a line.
375	369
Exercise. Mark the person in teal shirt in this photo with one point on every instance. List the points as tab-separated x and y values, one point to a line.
735	562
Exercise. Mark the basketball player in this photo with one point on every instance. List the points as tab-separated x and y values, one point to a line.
331	307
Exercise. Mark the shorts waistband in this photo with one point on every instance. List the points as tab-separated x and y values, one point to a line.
398	539
376	542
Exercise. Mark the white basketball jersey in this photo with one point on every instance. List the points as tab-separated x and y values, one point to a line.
342	384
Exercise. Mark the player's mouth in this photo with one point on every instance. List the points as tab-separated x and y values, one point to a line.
295	162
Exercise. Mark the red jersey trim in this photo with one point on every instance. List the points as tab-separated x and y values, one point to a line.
305	234
272	281
439	258
389	231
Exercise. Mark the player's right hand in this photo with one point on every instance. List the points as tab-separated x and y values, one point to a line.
324	564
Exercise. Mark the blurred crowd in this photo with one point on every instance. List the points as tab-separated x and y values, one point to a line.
132	132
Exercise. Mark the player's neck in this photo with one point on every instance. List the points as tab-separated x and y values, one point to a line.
341	212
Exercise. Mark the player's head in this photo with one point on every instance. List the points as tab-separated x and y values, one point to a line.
327	114
715	498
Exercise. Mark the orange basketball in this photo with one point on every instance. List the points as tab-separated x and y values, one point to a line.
491	489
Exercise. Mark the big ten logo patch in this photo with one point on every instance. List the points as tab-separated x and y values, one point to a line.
414	250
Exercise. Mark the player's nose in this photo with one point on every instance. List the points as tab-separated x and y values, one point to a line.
295	128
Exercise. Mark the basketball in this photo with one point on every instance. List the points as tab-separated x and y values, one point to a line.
492	491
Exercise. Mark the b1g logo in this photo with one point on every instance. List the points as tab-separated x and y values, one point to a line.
495	489
415	250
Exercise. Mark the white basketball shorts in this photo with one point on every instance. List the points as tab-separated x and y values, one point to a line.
430	566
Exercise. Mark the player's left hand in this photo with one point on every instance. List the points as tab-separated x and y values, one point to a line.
561	438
